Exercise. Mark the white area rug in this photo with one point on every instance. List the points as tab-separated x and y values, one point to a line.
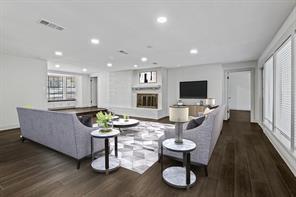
138	146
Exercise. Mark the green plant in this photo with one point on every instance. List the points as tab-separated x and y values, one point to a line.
103	119
125	117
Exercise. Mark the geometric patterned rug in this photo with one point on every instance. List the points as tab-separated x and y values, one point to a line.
138	146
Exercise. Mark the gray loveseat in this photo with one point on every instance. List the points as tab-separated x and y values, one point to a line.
62	132
205	136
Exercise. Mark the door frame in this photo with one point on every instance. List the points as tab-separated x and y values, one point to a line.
226	90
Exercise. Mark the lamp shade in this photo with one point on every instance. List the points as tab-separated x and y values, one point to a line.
179	113
210	101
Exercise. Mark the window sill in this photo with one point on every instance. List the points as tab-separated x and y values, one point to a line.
64	100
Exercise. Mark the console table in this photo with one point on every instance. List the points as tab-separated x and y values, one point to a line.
179	177
195	109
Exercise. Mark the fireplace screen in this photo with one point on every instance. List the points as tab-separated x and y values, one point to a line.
147	100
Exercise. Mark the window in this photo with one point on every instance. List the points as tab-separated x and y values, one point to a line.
294	89
283	101
268	94
55	88
61	88
70	88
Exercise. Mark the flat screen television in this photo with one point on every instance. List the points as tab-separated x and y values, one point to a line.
194	89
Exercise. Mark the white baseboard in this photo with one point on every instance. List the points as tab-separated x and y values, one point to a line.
8	127
286	155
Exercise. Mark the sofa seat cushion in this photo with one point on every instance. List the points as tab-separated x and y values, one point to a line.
195	122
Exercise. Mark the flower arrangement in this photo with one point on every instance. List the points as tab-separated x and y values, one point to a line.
103	119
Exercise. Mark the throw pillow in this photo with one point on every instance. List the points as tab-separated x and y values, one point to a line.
208	110
85	120
213	107
195	123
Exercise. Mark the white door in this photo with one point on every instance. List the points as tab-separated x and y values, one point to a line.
93	91
240	91
228	98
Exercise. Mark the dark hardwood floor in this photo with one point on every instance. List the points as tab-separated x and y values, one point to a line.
244	163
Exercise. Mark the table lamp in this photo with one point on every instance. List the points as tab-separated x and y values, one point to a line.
179	115
210	102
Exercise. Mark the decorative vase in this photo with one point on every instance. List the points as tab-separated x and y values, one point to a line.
105	130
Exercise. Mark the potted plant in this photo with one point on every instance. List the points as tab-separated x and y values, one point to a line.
125	117
103	119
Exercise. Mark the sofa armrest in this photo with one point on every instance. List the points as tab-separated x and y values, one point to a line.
83	139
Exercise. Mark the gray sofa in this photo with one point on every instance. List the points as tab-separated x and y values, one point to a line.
62	132
205	136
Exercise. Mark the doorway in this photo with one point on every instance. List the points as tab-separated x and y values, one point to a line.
239	92
93	91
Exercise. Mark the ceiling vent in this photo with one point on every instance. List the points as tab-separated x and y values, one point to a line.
51	25
123	52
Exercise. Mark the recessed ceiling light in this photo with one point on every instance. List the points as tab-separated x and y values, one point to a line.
57	66
144	59
58	53
136	66
109	64
84	69
162	19
193	51
95	41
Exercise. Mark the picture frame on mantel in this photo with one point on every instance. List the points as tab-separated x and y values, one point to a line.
148	77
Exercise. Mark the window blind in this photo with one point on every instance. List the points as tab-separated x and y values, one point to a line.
283	90
268	94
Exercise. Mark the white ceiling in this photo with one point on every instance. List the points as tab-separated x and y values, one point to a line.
222	31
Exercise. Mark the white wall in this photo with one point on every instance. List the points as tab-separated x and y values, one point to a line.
83	91
115	92
212	73
23	82
103	89
120	89
240	90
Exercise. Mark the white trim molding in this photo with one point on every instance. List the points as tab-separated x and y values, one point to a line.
10	127
286	155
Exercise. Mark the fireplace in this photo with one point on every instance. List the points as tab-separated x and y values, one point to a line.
147	101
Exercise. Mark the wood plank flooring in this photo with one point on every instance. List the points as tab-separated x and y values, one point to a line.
244	163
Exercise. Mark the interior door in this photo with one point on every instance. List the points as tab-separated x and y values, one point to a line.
228	98
93	91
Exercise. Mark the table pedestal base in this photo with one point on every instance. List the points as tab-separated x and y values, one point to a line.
176	176
99	164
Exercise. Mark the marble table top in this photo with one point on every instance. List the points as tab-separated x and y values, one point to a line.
99	134
186	146
122	122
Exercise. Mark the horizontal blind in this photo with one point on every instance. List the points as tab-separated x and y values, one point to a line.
294	86
268	94
283	89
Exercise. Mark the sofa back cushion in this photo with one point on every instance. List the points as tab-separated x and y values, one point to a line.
52	129
195	122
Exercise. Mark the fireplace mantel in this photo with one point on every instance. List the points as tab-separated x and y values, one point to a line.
150	87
